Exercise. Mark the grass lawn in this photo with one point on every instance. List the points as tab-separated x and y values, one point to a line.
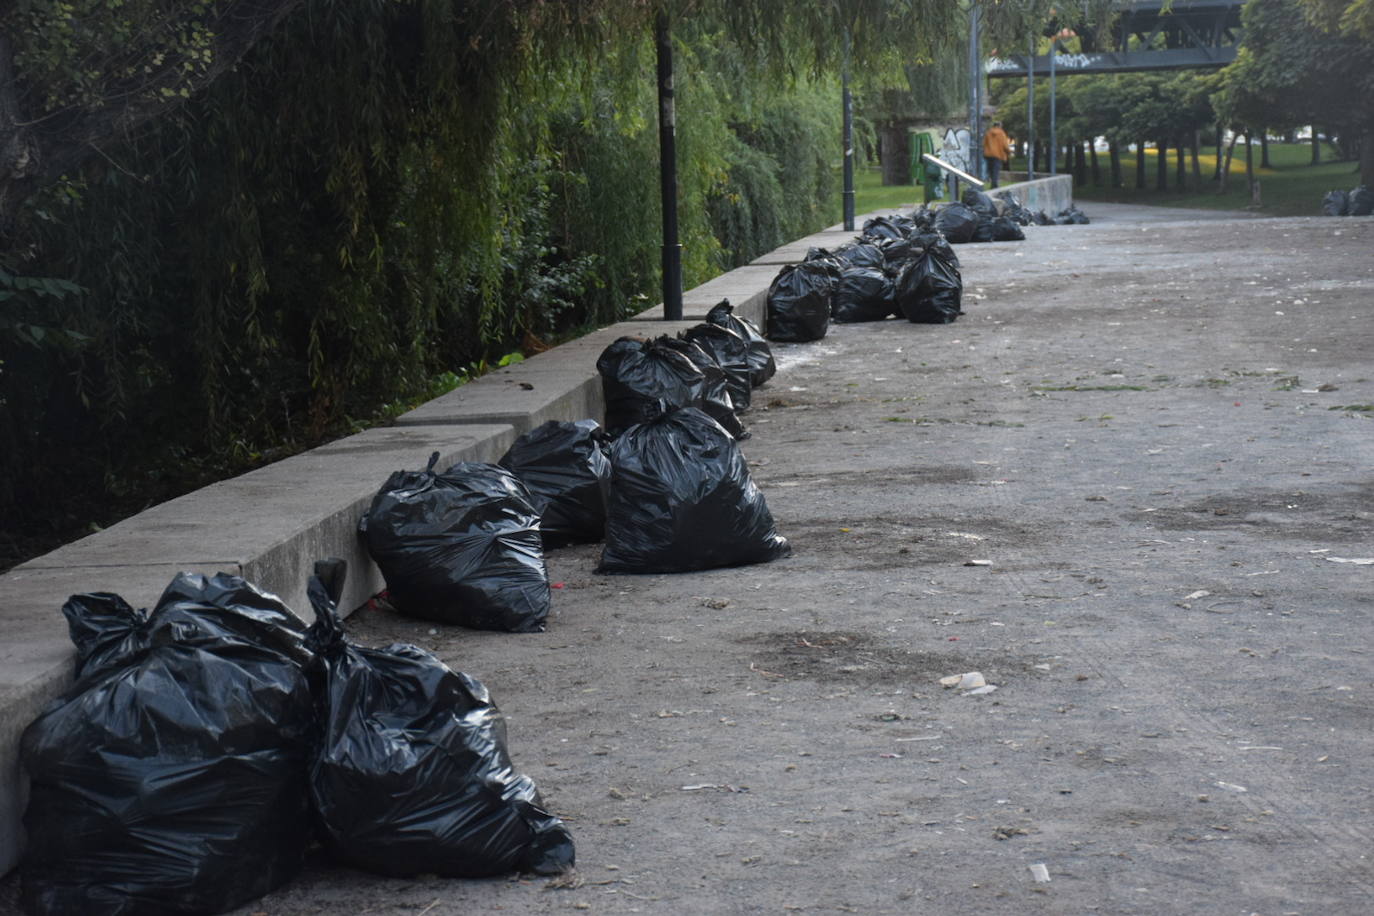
1290	188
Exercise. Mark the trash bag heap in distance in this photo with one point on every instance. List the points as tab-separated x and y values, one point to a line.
761	362
565	469
462	546
636	375
412	774
682	499
171	777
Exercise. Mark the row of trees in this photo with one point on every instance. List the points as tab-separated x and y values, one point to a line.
1301	63
230	228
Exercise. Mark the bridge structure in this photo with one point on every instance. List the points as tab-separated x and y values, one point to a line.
1147	35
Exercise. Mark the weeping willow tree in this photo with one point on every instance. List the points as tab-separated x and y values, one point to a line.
357	204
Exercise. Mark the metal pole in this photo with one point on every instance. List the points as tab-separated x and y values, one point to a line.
1054	155
667	172
848	139
975	65
1030	111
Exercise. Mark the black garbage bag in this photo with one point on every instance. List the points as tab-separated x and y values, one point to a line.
1070	216
170	779
761	362
865	254
885	227
956	222
930	289
922	219
565	469
1014	211
799	304
731	353
863	294
635	375
896	252
460	547
715	392
411	774
1042	219
998	229
832	261
979	203
1336	203
682	499
934	241
1360	201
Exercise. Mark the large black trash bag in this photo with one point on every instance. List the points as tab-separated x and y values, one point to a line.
885	227
832	261
863	294
762	366
1014	211
799	304
1070	216
865	254
460	547
565	469
1336	203
979	203
956	222
682	499
934	241
922	219
170	778
715	393
930	290
1361	201
636	375
731	353
411	774
998	229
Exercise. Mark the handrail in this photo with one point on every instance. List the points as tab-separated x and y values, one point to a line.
949	168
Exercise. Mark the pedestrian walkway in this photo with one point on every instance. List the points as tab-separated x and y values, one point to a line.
1130	487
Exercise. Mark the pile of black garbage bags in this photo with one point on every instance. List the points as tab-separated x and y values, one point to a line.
204	746
1358	201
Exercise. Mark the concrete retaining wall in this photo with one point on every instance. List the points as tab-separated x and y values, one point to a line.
1050	194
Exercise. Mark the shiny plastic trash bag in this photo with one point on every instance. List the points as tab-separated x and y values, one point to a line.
980	203
411	774
636	375
1360	201
1336	203
460	547
731	353
761	362
864	255
799	303
171	777
565	469
863	294
682	499
956	222
930	290
998	229
715	393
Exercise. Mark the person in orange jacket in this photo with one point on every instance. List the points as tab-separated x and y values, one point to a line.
996	150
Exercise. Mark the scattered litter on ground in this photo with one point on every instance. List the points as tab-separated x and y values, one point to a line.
1040	873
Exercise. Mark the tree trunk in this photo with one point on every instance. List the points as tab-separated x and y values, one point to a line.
1114	152
1316	147
1226	166
1216	171
1180	166
1249	166
1096	168
1197	165
1367	159
1162	165
1140	164
1080	163
1264	149
894	149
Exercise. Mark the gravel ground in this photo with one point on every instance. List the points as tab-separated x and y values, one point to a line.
1151	435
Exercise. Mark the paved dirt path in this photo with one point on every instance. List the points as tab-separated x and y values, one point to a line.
1158	435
